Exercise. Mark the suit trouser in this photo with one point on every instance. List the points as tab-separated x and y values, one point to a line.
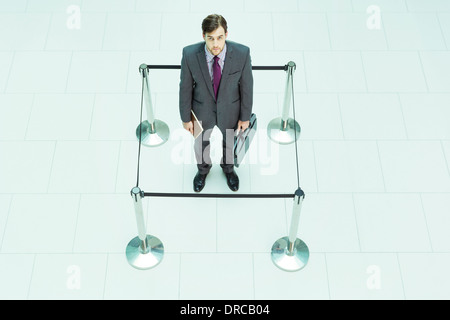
202	151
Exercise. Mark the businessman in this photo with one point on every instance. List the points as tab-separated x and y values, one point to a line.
216	82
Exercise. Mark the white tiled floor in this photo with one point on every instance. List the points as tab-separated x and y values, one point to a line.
374	152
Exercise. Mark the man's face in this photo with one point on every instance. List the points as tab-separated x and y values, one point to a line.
215	41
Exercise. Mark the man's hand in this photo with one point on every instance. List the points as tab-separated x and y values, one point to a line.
189	126
242	125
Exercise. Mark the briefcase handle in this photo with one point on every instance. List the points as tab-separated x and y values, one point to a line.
252	125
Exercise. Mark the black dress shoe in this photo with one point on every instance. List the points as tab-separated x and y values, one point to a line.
232	180
199	181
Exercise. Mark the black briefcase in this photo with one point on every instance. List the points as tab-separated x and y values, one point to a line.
242	141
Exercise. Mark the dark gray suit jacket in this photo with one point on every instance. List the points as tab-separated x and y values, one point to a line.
235	96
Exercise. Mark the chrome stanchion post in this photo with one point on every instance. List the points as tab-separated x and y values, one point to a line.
151	132
290	253
144	251
147	97
285	130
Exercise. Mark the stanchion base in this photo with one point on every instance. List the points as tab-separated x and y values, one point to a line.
290	261
159	135
140	260
281	135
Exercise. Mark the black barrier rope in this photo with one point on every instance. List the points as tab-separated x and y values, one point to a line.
177	67
215	195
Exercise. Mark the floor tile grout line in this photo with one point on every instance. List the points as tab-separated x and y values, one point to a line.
6	221
9	71
250	179
129	69
51	167
385	34
327	274
160	30
33	100
217	225
442	31
182	179
355	213
315	165
106	276
405	127
76	223
426	222
447	161
338	98
304	73
68	75
48	31
105	27
381	166
31	276
94	102
401	274
287	215
180	255
119	154
253	276
330	43
273	31
364	71
423	71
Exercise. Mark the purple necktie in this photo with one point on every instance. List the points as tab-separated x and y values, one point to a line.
217	74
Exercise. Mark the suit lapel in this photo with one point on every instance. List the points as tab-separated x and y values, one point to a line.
204	68
226	67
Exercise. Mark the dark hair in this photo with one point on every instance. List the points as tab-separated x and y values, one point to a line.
212	22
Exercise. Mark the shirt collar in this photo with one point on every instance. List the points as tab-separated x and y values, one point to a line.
210	56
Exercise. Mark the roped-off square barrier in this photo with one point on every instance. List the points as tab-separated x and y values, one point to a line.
145	251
